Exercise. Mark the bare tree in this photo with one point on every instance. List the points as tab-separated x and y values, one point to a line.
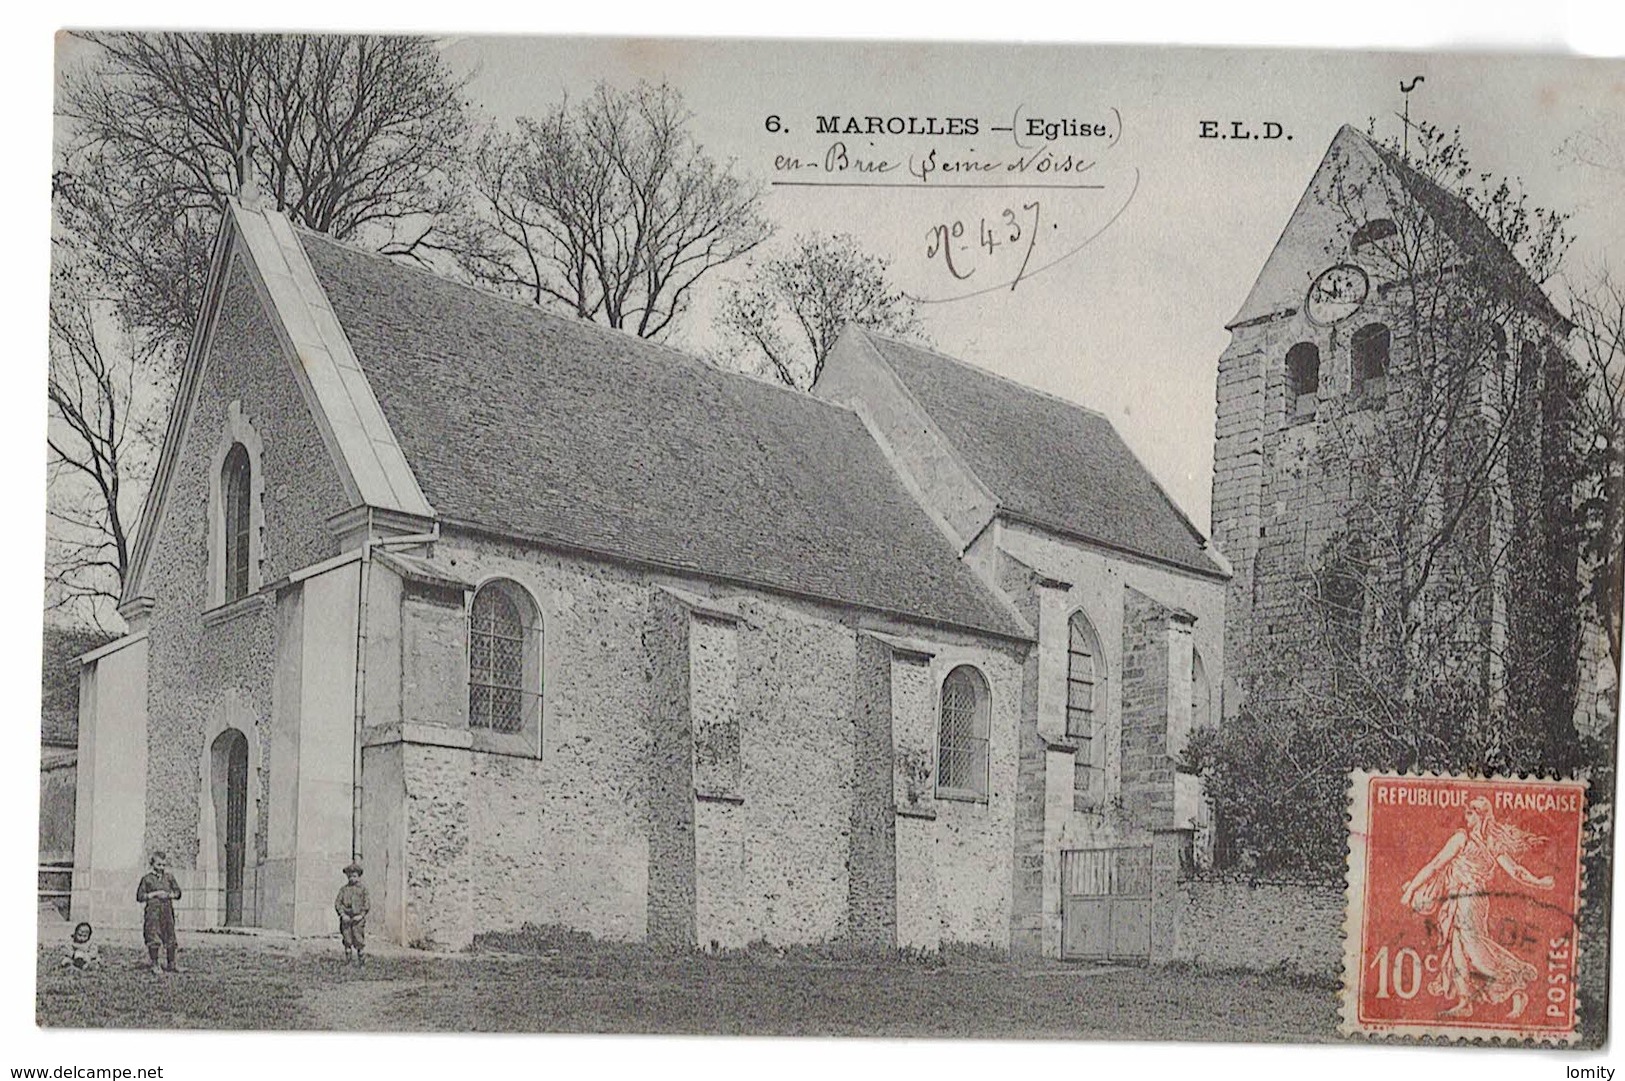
101	436
1598	312
1438	588
790	311
357	137
609	208
1458	453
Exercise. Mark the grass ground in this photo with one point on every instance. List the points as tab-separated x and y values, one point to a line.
633	992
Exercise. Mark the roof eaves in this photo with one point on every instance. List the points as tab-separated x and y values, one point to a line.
1012	631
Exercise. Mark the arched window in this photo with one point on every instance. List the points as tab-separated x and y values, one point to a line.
962	734
1371	232
1302	379
1201	693
504	669
236	481
1083	681
1370	360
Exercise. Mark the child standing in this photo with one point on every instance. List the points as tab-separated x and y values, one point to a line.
159	891
352	905
81	952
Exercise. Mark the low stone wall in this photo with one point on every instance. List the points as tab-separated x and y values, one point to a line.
1230	923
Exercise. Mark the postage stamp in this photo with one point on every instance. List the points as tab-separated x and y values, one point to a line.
1463	903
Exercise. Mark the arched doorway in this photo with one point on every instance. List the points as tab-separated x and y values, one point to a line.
229	787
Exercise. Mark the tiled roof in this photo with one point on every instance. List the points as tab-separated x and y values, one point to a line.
1048	461
538	426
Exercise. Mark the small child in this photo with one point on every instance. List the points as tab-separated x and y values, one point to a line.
81	952
157	893
352	905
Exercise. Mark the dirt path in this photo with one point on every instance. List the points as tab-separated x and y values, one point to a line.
352	1003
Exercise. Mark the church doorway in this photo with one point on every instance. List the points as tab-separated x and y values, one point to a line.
230	790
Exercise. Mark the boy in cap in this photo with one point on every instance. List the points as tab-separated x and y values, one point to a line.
352	905
158	891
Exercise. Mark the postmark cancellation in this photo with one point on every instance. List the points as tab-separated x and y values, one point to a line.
1463	907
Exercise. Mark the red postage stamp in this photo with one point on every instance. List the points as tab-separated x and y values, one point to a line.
1463	905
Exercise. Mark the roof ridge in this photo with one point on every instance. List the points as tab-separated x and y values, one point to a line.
590	325
979	370
1203	541
1455	203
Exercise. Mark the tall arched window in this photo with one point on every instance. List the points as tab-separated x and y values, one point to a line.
236	479
1201	692
1085	700
1370	359
1083	680
1302	379
504	669
962	734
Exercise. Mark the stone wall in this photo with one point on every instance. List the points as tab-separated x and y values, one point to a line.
110	788
1234	923
1238	477
203	677
1050	578
1147	770
700	771
955	860
1022	584
558	840
795	685
872	859
670	876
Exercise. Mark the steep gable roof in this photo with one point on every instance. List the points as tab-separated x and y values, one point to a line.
1472	235
1048	461
1301	252
528	424
320	361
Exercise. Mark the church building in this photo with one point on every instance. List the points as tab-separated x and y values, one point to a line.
1393	479
548	624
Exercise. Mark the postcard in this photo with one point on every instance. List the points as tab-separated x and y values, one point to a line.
832	539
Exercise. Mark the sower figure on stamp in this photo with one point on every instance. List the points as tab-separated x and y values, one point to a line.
352	905
1473	967
159	891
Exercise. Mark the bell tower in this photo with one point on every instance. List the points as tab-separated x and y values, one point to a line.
1356	519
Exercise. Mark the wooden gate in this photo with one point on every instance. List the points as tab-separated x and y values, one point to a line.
1106	903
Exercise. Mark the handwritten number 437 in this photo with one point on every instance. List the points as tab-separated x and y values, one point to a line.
947	240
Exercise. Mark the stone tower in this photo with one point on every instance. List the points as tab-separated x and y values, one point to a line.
1390	471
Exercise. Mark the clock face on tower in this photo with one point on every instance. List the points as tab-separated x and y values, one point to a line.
1336	294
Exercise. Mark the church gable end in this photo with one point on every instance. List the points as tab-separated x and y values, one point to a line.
206	672
245	396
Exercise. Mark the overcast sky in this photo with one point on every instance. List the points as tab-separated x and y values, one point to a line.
1132	322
